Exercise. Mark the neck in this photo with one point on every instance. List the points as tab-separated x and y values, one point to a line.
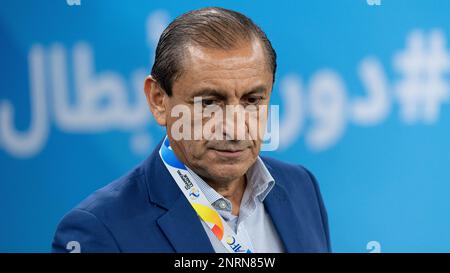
233	191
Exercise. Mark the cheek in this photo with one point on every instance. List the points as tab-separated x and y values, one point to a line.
195	151
256	147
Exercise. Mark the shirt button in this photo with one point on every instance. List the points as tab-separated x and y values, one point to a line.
222	204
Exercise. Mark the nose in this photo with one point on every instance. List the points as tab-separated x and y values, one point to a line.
234	123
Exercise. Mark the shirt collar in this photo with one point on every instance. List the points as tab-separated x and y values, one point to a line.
260	179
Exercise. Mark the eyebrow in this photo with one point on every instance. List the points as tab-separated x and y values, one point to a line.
222	94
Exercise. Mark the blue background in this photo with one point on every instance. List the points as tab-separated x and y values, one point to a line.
386	181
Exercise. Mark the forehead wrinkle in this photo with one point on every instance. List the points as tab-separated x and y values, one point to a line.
235	71
237	90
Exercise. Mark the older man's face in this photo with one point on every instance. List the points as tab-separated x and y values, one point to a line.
239	76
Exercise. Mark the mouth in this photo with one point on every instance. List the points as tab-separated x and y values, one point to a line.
231	154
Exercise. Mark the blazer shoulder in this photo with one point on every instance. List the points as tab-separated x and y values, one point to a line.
130	191
118	196
92	223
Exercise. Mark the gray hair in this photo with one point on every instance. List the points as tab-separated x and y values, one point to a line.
212	27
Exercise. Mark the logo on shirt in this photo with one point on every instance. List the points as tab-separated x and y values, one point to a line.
236	247
194	193
187	183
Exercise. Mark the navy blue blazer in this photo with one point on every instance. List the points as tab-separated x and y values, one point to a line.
145	211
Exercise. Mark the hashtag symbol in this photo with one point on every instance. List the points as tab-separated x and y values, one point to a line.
423	86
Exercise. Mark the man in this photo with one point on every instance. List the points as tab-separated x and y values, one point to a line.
205	194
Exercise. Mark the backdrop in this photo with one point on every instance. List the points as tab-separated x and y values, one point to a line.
363	88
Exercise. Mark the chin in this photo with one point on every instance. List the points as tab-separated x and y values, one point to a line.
227	171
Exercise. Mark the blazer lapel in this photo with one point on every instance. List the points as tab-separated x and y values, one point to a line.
180	223
281	210
182	227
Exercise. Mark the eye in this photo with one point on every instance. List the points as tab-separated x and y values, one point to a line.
208	102
254	100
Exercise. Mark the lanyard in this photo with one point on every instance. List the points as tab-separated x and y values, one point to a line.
230	240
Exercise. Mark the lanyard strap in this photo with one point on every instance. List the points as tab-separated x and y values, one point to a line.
187	184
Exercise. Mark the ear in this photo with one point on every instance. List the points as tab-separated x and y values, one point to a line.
156	99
